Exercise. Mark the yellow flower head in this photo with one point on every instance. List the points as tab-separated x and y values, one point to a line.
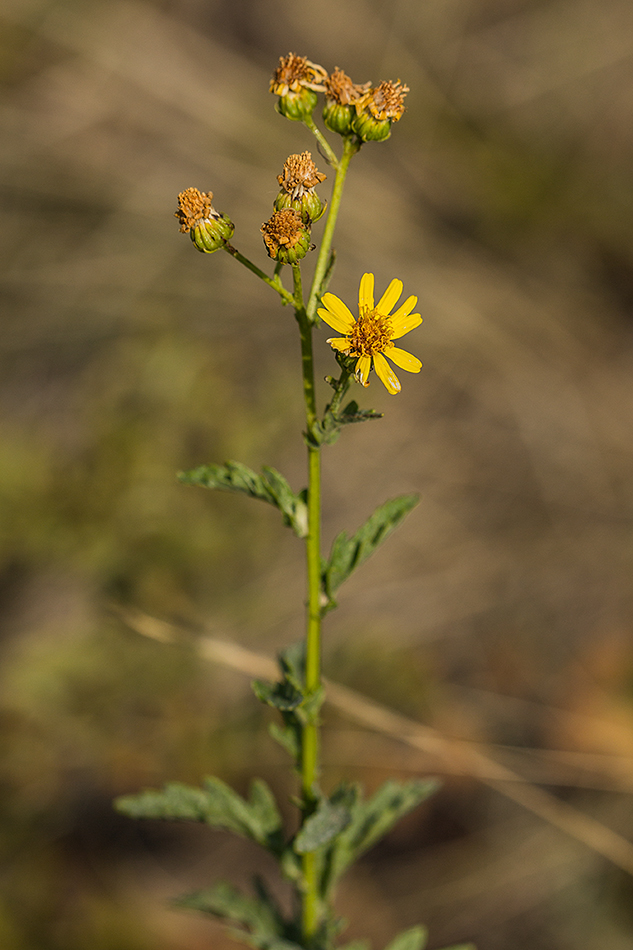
371	336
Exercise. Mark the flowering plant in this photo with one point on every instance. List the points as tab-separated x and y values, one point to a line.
334	828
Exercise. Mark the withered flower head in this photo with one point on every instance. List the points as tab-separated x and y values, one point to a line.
194	207
297	72
386	101
340	88
378	109
210	229
298	181
340	95
296	81
300	175
286	237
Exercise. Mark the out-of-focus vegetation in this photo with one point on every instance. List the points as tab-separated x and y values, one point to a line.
502	609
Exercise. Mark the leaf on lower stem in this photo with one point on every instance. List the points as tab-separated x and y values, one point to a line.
215	804
263	924
370	821
270	486
413	939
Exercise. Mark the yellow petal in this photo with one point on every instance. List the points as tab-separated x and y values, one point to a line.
366	293
402	325
405	309
390	297
340	343
362	370
403	359
386	374
337	315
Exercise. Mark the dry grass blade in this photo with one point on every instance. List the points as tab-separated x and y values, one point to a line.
465	758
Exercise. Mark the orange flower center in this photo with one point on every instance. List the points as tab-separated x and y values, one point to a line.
370	334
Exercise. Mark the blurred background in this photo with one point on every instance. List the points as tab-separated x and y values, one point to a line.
500	613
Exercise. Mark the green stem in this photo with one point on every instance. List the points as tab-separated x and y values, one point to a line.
323	142
310	738
310	903
350	147
274	282
342	386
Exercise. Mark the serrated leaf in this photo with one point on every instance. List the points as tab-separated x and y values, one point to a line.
175	802
282	696
413	939
320	828
270	487
292	661
370	821
288	738
258	818
347	553
351	414
217	805
228	903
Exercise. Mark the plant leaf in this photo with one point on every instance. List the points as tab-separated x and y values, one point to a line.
370	821
347	553
413	939
320	828
282	696
270	486
227	902
217	805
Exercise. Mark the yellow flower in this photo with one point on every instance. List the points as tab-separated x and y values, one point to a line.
370	337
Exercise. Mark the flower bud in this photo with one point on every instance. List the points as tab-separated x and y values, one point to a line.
286	237
296	81
378	109
299	178
340	95
209	229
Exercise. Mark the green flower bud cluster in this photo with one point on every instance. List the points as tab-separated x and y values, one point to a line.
287	233
351	109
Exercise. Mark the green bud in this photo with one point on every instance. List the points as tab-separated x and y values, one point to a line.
309	206
209	229
286	237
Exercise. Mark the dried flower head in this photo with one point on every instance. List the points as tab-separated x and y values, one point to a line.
340	95
340	89
210	229
296	81
300	175
298	181
295	73
386	101
378	109
194	206
286	237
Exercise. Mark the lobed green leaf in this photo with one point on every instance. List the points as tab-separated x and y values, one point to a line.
322	827
270	487
282	696
370	821
217	805
413	939
347	553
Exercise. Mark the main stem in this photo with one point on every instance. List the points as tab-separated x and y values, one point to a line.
310	737
310	904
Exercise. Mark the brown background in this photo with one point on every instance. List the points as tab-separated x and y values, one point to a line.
499	613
